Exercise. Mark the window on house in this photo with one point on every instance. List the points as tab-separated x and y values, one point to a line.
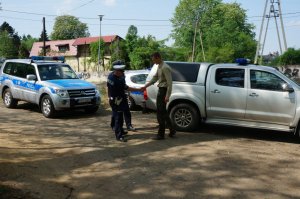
64	48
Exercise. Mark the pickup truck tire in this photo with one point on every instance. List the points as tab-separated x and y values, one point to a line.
184	117
297	133
47	107
8	100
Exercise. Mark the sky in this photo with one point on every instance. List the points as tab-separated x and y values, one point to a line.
151	17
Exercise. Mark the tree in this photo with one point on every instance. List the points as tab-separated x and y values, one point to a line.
140	56
188	14
131	38
7	49
118	51
8	35
68	27
94	49
26	45
42	36
222	28
229	33
290	57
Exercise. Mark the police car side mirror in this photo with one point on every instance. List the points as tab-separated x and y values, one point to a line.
31	77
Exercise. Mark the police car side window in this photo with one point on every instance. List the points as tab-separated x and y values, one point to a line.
19	70
30	70
8	68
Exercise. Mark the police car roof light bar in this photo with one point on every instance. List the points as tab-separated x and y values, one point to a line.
242	61
44	58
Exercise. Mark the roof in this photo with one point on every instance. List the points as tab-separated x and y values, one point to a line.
88	40
37	48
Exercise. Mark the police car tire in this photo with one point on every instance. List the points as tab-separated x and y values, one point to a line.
47	107
92	109
184	117
8	99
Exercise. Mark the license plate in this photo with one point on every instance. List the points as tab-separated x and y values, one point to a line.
84	100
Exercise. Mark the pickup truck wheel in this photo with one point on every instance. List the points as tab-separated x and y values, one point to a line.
184	117
297	133
8	99
47	107
92	109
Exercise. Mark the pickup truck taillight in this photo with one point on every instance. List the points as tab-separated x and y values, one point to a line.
145	95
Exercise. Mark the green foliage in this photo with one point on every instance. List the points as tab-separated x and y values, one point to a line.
224	31
42	36
7	48
290	57
68	27
94	48
9	41
230	34
26	45
131	38
274	62
140	56
174	54
118	52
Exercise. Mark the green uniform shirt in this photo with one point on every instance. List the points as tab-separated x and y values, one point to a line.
164	77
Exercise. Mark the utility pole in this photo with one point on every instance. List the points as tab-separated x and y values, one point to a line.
260	34
99	50
273	13
44	37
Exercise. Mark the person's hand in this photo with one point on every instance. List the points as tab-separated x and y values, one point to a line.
143	88
166	99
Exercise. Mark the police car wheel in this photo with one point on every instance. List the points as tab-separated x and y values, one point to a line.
8	99
47	107
92	109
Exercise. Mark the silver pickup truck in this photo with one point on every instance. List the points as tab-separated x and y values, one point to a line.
230	94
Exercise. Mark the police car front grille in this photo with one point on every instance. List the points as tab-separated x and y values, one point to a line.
82	93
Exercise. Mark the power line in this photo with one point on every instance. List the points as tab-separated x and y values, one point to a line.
49	15
82	5
126	25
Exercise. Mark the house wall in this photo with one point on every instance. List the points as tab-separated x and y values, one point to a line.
80	64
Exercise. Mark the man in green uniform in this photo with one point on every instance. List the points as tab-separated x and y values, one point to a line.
164	77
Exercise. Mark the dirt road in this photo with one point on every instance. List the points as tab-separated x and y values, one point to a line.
77	157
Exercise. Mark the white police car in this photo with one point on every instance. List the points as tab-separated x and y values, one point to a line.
136	79
47	82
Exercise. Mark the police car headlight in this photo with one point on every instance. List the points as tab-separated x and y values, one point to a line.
61	93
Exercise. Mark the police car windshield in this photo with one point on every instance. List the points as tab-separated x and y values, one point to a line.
53	71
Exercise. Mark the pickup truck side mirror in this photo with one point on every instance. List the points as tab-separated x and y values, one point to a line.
287	87
31	77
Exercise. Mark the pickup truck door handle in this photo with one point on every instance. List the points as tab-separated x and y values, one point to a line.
215	91
253	95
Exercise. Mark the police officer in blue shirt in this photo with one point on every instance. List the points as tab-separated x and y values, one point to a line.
117	97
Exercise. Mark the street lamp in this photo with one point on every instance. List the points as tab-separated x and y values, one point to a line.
99	51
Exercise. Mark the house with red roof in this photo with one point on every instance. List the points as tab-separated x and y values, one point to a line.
76	51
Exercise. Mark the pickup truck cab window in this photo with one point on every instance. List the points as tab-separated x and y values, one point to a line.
230	77
265	81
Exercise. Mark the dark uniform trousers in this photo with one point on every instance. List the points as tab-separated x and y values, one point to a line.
118	119
162	114
127	116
